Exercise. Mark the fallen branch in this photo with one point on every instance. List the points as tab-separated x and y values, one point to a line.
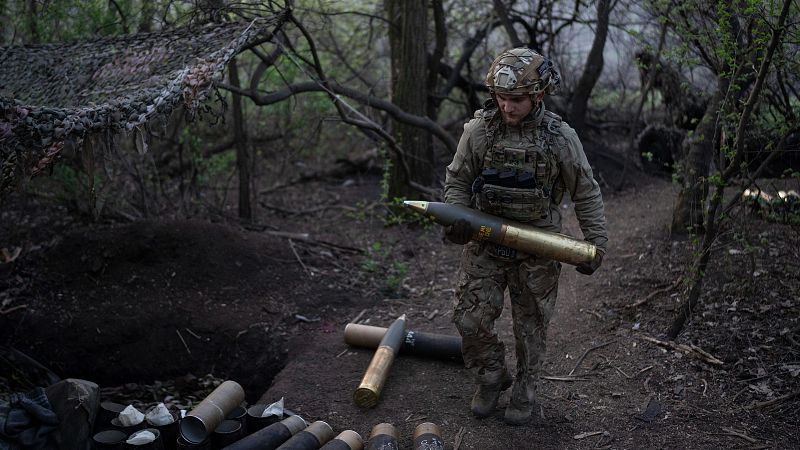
586	434
689	349
359	316
739	434
297	256
775	401
656	292
306	239
580	360
195	335
459	438
12	309
411	418
298	212
567	378
183	341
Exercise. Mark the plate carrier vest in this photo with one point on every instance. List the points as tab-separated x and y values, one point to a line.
520	166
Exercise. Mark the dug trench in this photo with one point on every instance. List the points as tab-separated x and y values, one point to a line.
122	304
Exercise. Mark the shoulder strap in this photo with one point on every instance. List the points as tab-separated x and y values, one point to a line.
551	122
491	121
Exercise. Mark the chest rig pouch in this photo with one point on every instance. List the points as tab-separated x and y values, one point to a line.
520	168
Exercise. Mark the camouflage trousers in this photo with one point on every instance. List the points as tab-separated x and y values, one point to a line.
533	286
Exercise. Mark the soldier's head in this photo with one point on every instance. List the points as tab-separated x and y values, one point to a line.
518	79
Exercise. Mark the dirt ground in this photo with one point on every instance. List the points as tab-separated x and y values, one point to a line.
144	304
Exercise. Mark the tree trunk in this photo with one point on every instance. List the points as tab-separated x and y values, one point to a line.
31	23
687	216
242	151
592	70
146	19
409	91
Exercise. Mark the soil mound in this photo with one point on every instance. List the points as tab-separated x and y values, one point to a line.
150	300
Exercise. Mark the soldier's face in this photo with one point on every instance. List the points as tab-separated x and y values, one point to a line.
514	107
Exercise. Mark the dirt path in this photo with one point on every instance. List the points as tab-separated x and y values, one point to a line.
602	399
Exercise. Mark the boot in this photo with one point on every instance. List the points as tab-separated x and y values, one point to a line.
485	399
518	411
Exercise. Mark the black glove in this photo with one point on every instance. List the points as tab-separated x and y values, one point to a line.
589	268
459	232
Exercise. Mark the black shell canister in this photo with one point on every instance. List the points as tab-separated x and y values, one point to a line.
383	437
427	436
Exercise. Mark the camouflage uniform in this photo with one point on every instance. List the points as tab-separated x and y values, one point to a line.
546	146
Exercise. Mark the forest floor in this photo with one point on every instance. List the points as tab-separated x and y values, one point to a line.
145	308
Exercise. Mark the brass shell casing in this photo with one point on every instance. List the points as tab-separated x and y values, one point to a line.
547	244
368	392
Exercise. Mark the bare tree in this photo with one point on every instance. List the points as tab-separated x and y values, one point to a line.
731	124
592	70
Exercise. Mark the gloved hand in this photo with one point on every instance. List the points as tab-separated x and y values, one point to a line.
459	232
589	268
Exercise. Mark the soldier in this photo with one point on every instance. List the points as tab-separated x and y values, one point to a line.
516	160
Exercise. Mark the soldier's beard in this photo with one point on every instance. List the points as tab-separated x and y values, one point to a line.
512	120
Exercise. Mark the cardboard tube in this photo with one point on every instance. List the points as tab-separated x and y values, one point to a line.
206	416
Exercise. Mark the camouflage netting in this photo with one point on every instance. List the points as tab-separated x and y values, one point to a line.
58	95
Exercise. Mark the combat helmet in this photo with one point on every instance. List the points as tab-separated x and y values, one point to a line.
522	71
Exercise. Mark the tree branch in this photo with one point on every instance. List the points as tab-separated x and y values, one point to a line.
367	100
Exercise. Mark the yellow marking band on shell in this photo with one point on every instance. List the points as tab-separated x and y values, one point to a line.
484	232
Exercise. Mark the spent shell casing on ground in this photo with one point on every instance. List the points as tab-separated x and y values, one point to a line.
346	440
383	437
206	416
525	238
427	436
368	392
417	343
312	438
271	436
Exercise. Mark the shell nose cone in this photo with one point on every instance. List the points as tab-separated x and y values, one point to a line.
417	206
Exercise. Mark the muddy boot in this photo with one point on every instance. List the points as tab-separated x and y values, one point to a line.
519	407
485	399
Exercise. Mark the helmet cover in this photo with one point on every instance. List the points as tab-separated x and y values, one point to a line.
522	71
